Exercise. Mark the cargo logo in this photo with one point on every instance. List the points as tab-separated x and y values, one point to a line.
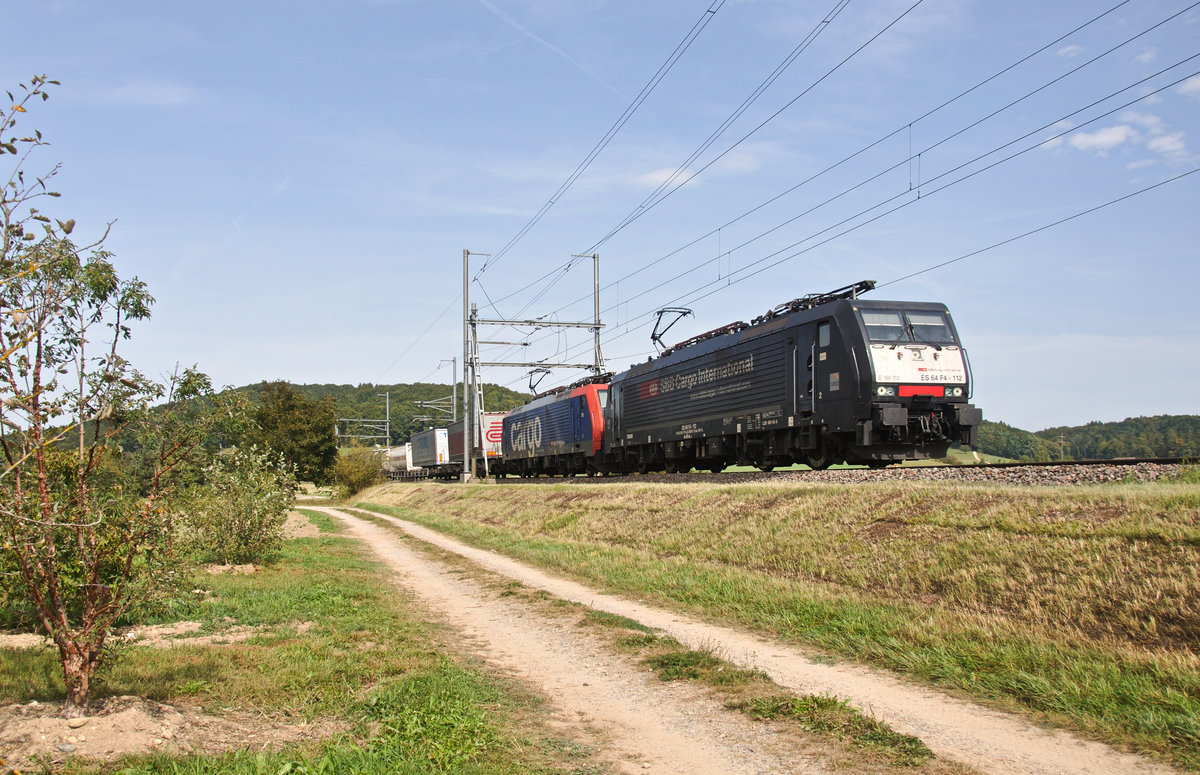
495	434
525	435
700	377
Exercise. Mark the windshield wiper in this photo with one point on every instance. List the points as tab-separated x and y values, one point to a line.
915	338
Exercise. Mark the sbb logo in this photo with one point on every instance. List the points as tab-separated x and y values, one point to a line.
648	389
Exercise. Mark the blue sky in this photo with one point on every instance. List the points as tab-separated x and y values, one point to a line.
296	182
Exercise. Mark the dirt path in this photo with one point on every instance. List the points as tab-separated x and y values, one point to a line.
672	729
651	726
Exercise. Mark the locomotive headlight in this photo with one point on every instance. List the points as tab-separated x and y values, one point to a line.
885	390
956	392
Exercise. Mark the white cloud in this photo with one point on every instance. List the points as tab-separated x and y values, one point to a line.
1070	51
1190	87
1154	136
1168	145
1059	129
1148	121
1147	56
1103	140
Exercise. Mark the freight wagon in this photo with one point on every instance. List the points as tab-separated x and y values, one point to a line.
431	448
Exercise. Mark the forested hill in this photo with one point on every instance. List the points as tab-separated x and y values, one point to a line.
1159	436
366	401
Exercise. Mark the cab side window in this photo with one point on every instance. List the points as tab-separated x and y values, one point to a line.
823	335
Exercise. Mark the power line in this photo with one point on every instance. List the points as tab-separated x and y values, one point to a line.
926	150
557	274
561	270
660	194
820	27
892	134
690	296
1031	232
973	253
663	69
928	193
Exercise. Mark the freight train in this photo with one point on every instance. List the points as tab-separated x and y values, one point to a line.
823	379
439	451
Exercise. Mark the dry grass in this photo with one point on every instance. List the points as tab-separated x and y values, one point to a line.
1119	564
1081	603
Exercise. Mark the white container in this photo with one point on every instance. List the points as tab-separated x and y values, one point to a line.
430	448
399	460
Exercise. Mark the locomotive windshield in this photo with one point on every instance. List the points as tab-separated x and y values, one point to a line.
895	325
602	397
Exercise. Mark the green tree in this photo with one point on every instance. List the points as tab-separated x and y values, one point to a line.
87	529
300	428
237	513
86	545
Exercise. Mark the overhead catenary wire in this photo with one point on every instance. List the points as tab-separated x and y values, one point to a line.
907	125
927	192
661	73
908	195
971	254
660	193
657	78
746	103
1031	232
691	297
644	267
925	150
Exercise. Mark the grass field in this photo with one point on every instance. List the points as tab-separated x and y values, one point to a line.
338	643
1079	605
333	642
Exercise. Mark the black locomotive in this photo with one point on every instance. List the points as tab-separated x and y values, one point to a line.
820	380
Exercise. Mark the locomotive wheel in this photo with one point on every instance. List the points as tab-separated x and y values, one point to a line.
818	460
766	467
874	464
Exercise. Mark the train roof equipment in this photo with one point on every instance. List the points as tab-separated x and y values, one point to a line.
810	301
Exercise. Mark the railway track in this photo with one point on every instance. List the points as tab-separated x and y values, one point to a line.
1070	472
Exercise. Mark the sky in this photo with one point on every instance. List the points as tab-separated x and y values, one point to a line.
297	181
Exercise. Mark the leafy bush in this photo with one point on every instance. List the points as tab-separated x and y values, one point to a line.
236	515
356	470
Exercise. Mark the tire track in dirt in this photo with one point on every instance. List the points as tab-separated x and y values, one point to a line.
990	740
649	726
